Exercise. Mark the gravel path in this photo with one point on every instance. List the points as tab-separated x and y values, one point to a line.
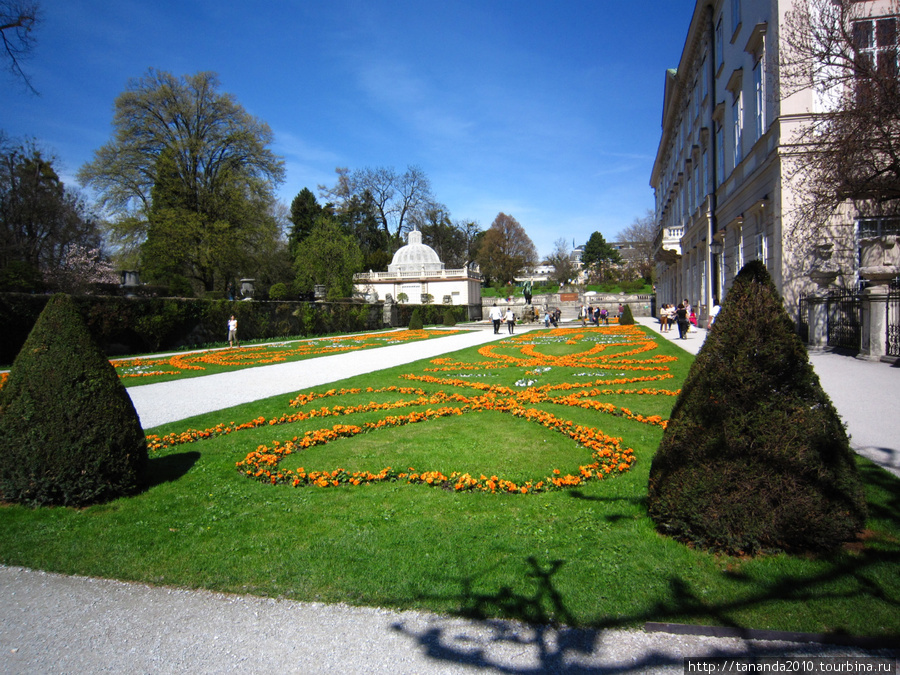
171	401
51	623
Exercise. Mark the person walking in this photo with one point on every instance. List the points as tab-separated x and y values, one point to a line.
664	319
496	316
681	318
510	320
232	332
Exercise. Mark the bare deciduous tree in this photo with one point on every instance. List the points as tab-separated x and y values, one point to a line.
641	235
395	196
18	19
850	148
561	259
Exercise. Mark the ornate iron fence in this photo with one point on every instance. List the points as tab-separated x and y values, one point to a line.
803	318
892	339
844	309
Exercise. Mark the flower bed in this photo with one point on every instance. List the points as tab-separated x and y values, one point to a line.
266	354
624	351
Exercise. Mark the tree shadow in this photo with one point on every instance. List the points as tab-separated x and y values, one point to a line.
169	468
640	502
538	637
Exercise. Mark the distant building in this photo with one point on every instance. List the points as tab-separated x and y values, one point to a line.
417	272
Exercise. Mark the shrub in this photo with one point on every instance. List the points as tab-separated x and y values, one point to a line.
627	318
278	291
415	321
449	317
755	457
69	434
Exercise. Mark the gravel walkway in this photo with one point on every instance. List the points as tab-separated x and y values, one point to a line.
51	623
171	401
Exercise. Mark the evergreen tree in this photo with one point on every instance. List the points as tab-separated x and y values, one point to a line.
304	212
415	320
755	457
598	255
69	434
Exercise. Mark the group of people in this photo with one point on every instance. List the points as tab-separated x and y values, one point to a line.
594	315
552	316
684	317
498	317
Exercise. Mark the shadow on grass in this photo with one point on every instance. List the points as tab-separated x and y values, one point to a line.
640	502
169	468
544	642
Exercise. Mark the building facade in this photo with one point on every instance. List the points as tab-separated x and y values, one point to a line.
723	174
416	275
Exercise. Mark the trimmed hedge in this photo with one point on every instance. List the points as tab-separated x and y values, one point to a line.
69	434
431	315
627	318
123	325
755	457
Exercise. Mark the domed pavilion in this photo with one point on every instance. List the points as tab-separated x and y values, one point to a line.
417	272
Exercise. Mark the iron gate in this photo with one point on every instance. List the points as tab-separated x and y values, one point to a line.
844	310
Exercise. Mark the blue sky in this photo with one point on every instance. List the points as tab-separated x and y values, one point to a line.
548	111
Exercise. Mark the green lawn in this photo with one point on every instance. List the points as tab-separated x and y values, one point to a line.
587	555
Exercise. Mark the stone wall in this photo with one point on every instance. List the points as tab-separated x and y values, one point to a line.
570	303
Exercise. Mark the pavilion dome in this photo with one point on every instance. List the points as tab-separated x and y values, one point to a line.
415	257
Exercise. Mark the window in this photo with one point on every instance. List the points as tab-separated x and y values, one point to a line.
737	113
705	186
704	83
720	153
762	247
759	85
878	227
738	250
690	192
875	42
696	97
735	15
698	198
720	45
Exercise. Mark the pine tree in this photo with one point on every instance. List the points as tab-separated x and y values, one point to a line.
69	434
755	457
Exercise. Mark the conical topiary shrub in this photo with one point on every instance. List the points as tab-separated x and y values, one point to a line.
415	320
449	317
755	457
627	318
69	434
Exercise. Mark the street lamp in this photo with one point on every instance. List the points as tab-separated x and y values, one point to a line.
716	247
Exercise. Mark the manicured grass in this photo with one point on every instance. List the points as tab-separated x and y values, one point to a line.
588	555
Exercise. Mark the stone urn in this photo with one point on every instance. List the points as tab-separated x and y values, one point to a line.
824	271
247	288
880	259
